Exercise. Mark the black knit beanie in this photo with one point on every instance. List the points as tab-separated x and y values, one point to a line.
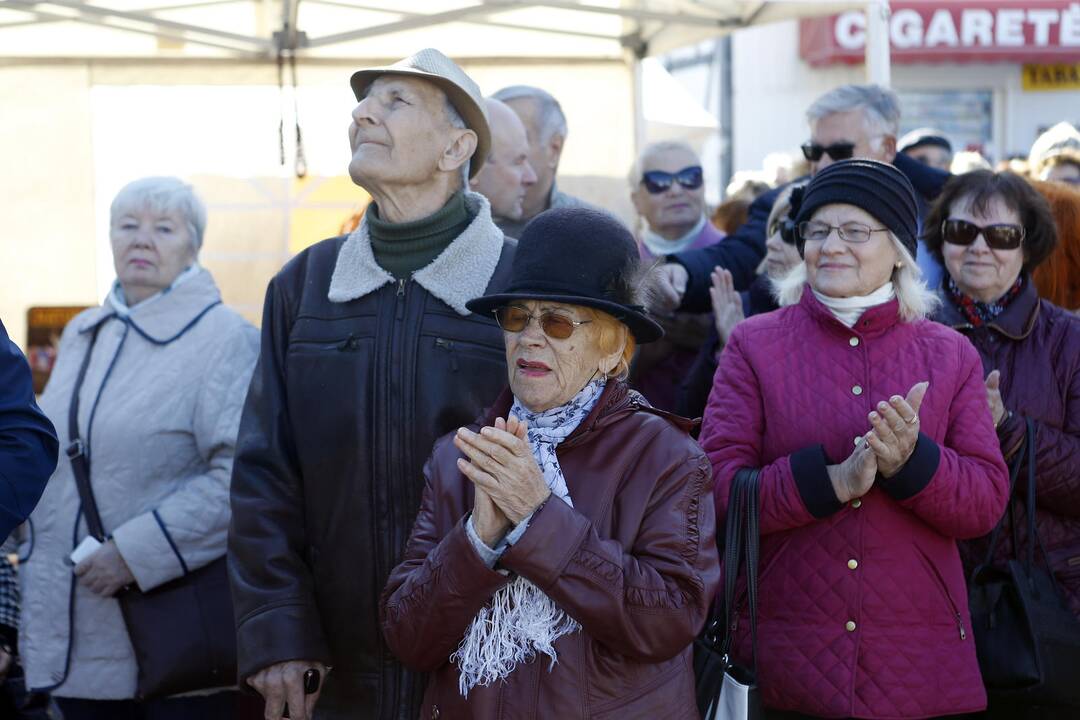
876	187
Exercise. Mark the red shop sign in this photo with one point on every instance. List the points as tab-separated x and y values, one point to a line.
1035	31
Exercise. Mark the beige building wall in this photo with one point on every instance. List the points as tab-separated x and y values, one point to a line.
64	165
47	254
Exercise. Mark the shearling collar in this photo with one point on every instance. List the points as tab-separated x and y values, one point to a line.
460	273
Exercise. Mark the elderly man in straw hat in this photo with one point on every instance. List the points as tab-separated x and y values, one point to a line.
369	354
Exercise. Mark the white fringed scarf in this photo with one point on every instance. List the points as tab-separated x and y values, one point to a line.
521	621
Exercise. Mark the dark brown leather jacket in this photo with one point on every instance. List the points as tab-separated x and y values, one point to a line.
1036	346
634	561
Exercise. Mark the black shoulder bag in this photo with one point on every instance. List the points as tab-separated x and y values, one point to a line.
183	632
724	689
1027	639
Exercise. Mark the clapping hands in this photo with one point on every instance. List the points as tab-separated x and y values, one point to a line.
885	449
726	303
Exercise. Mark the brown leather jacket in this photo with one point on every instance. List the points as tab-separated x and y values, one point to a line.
634	561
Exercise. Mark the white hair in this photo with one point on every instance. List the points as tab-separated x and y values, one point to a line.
880	106
652	149
164	195
917	301
550	115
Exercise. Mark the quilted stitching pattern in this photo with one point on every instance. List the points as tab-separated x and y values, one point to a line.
792	379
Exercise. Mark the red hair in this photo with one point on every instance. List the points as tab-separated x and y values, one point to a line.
1058	278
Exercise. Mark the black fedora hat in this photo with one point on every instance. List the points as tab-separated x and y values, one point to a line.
577	256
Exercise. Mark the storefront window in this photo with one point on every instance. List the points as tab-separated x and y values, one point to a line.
965	117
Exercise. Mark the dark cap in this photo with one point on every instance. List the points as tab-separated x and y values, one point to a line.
577	256
876	187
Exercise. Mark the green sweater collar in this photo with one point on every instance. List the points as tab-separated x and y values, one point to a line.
403	248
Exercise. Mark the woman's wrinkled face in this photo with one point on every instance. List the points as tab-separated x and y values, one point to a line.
546	372
838	268
980	271
780	257
150	249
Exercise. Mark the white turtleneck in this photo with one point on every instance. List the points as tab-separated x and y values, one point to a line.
848	310
660	246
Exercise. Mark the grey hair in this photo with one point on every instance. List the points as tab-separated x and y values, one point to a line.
551	116
880	106
652	148
917	301
458	122
164	195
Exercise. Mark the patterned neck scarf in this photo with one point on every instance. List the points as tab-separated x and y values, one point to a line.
521	621
979	313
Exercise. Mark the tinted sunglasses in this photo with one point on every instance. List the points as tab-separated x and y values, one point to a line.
514	318
658	181
998	237
837	151
786	228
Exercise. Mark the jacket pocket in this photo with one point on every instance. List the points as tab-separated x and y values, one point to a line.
349	343
668	694
455	350
943	588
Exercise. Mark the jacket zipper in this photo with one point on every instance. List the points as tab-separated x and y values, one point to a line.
448	346
948	596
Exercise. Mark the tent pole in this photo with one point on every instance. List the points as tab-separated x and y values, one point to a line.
878	62
727	131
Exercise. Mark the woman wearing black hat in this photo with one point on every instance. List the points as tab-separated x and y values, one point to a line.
876	448
563	559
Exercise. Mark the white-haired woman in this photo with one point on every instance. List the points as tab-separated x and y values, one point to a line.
877	451
167	369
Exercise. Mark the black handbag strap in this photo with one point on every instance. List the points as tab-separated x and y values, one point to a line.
1026	456
78	451
995	535
743	543
753	553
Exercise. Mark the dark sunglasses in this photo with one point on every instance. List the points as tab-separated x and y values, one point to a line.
837	151
658	181
998	237
786	228
514	318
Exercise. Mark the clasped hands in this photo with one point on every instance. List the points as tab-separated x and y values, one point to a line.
885	449
508	483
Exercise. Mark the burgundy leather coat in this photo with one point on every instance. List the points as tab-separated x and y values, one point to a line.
1036	346
634	562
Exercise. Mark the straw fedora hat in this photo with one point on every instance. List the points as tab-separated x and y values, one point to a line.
460	89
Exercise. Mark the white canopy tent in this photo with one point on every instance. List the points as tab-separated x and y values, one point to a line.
98	92
252	29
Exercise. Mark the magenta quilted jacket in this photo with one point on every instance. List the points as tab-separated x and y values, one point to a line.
862	608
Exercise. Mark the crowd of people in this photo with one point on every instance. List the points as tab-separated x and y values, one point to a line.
457	474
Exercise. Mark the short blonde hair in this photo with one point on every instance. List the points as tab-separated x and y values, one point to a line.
917	301
610	332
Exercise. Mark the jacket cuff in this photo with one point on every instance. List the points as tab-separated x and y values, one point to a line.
810	470
917	471
1011	435
288	630
552	537
149	551
9	636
